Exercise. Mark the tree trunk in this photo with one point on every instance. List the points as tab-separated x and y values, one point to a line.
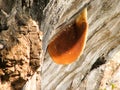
22	52
98	68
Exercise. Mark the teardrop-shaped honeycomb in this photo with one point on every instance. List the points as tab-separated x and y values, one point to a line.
69	43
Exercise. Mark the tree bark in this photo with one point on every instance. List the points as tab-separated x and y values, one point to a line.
20	42
22	51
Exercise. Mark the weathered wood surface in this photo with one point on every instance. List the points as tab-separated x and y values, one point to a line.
99	65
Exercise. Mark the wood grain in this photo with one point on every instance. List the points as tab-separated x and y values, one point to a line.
103	44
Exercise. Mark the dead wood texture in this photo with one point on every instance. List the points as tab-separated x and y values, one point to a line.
20	45
99	66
